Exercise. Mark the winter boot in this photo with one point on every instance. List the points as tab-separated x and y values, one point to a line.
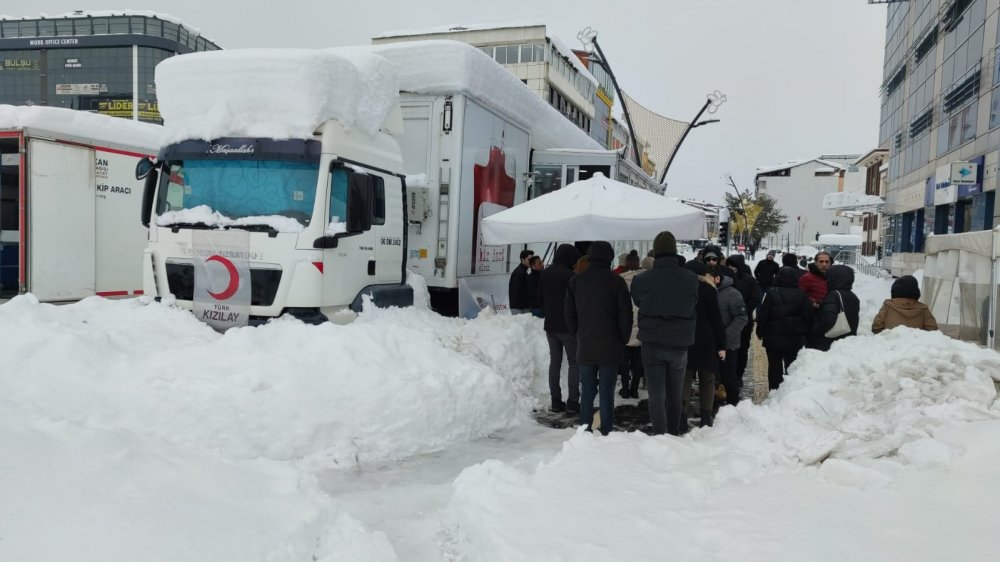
706	418
559	406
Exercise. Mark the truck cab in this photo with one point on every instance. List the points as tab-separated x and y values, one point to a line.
324	220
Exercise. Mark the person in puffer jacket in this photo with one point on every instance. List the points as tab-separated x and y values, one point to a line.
734	320
839	297
904	308
783	320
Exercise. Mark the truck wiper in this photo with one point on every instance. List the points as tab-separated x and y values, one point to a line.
177	226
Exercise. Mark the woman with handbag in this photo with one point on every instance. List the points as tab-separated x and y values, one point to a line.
838	314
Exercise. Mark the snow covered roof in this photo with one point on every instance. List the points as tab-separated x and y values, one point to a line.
565	51
825	170
107	14
82	125
458	28
273	93
452	67
794	163
288	93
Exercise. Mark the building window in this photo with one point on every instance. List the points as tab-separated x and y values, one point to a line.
118	25
81	26
64	27
46	28
100	26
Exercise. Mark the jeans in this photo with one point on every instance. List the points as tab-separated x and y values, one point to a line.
665	368
778	361
558	342
608	376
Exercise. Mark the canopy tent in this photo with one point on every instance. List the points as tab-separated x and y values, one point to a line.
594	209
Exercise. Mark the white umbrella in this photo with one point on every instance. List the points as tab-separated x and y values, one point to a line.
595	209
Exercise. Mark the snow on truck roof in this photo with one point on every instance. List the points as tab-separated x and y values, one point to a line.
82	126
290	92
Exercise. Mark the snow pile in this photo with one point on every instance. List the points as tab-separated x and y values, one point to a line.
881	429
206	215
135	416
273	93
108	131
392	384
450	67
110	494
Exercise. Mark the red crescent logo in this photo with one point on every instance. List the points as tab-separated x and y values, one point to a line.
234	279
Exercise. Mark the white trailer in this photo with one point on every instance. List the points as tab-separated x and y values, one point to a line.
466	131
69	203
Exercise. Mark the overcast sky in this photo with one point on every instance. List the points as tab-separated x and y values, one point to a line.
801	76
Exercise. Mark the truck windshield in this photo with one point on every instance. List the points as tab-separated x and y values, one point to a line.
241	189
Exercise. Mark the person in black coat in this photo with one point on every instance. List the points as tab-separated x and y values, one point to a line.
792	261
839	296
783	320
747	286
552	285
531	284
766	270
599	312
709	346
515	287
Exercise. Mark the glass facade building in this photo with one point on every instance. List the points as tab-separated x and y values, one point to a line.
101	64
939	106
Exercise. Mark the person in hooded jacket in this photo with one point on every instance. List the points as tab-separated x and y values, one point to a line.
839	297
747	286
516	294
904	308
599	312
552	286
734	319
709	348
783	320
666	296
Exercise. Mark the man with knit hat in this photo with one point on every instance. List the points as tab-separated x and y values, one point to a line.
598	311
666	297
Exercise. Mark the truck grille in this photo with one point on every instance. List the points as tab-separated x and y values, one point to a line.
263	283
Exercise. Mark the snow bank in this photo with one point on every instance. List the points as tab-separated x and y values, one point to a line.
106	130
139	429
882	433
273	93
392	384
113	494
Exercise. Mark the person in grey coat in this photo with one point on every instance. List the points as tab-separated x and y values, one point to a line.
734	320
666	297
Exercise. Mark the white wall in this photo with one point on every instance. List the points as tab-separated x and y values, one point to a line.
801	194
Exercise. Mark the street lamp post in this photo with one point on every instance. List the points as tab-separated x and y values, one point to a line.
589	39
712	104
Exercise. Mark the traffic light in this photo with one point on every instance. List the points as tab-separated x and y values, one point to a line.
724	234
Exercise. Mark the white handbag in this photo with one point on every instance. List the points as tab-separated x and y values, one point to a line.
841	327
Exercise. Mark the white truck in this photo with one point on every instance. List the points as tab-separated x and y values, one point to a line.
68	203
462	130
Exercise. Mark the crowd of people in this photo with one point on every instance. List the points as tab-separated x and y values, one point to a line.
670	321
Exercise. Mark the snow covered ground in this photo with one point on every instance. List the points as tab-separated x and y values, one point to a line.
129	427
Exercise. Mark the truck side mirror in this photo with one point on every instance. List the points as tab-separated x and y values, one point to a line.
148	190
143	168
360	197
